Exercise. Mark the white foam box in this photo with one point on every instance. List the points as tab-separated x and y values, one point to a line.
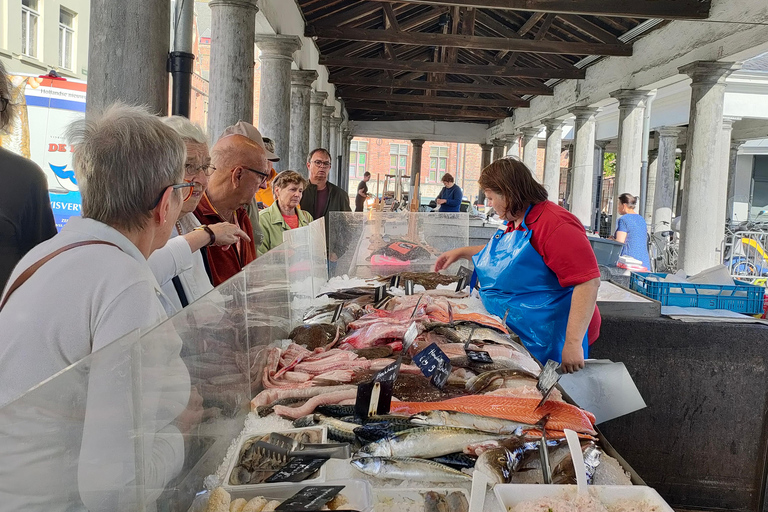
408	499
357	492
510	495
321	473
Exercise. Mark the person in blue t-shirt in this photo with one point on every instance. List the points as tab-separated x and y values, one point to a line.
632	231
450	196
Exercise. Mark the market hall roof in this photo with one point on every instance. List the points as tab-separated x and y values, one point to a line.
469	60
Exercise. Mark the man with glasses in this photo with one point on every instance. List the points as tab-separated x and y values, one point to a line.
24	203
242	168
322	197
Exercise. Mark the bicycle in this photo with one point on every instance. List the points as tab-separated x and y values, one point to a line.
662	249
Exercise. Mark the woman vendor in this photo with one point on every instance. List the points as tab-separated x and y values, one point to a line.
540	272
284	214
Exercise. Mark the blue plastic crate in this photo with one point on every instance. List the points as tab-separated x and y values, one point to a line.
741	298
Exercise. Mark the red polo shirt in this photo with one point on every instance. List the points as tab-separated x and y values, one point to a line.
560	238
223	261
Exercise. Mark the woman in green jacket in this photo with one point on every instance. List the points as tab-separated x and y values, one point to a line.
284	214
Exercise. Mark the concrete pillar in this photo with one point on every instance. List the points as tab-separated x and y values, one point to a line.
733	154
326	140
583	164
664	194
597	189
316	102
116	48
275	97
725	165
417	145
513	145
705	178
552	155
630	141
653	171
678	204
233	24
346	139
335	173
531	150
485	161
498	148
301	90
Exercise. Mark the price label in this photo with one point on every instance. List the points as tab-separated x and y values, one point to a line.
463	282
375	397
464	272
337	312
433	361
379	293
310	498
394	281
297	469
440	377
479	356
409	287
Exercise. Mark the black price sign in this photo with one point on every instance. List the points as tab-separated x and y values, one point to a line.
337	312
394	281
440	377
479	356
463	282
375	397
464	272
310	498
409	287
379	293
297	469
433	362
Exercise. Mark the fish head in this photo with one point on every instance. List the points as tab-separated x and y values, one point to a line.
494	464
368	465
429	418
379	448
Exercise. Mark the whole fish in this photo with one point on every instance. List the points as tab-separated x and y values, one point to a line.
408	468
565	472
457	502
491	380
335	411
499	464
499	363
464	332
338	430
435	502
457	460
473	421
426	442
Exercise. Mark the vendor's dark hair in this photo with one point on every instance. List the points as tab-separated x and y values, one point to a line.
628	199
512	179
447	178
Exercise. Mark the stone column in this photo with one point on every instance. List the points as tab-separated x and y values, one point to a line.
650	195
733	155
664	194
498	148
233	24
417	145
583	164
531	150
116	47
327	113
513	145
335	173
275	97
724	149
317	100
552	155
705	178
678	205
346	139
485	161
630	141
597	188
301	90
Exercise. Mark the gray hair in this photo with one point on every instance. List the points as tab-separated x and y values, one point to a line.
187	130
312	153
8	115
123	158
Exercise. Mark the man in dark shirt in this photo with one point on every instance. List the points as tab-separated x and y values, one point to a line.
26	218
362	192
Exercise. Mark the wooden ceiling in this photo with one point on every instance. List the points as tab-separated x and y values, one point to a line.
467	60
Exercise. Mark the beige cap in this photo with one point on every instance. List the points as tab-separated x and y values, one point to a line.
250	131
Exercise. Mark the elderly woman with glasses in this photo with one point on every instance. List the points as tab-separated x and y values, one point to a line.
284	214
179	266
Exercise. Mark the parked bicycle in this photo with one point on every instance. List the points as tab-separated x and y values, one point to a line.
662	247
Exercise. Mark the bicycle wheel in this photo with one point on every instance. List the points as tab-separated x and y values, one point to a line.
656	257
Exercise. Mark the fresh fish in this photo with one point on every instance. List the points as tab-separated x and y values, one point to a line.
435	502
335	411
266	410
494	379
565	472
464	332
457	502
338	430
498	464
426	442
351	293
499	363
429	280
408	468
314	336
524	410
473	421
374	352
457	460
373	432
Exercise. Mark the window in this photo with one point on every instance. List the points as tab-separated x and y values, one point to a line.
398	158
66	38
438	163
358	158
29	21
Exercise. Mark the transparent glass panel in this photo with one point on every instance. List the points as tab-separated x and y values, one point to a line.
370	243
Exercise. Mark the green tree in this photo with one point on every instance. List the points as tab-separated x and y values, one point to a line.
609	164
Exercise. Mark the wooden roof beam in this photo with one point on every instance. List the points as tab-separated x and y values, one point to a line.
541	90
431	111
679	9
432	100
454	69
465	41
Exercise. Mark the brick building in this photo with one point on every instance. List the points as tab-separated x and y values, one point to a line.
385	156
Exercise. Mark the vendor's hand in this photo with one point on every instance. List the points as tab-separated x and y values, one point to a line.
447	259
227	234
573	357
441	201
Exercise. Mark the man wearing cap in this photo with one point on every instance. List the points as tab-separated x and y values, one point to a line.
242	168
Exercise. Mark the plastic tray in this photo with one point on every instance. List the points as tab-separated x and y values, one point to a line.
606	251
740	298
409	498
358	492
250	487
510	495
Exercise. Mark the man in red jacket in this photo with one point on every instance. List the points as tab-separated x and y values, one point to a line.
242	168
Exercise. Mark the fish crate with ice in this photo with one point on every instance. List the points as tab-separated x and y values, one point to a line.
740	298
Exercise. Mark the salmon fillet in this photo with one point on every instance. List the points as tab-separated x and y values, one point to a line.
562	415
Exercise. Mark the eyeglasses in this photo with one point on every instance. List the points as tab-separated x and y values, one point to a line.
3	104
190	186
322	163
264	177
191	170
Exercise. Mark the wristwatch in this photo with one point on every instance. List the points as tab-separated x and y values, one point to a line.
209	231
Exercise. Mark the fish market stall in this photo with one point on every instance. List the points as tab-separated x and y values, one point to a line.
251	399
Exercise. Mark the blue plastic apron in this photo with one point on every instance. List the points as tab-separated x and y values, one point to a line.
514	277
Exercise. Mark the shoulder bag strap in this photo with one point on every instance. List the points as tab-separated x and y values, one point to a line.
36	266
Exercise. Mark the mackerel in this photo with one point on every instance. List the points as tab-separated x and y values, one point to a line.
472	421
408	468
427	442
